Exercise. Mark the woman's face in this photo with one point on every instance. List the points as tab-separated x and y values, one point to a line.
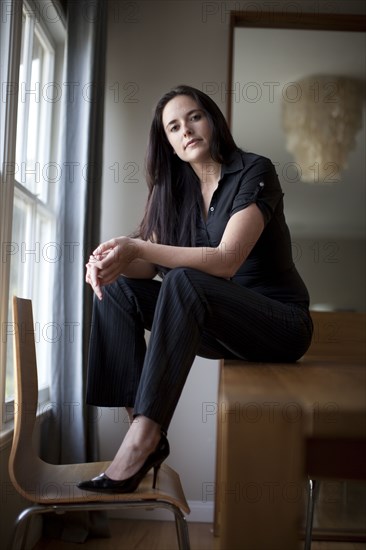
187	129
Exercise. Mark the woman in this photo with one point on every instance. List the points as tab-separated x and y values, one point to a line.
215	231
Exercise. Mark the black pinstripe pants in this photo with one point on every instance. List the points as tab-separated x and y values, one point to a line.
190	313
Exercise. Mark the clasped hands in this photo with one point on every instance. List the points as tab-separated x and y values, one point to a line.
108	262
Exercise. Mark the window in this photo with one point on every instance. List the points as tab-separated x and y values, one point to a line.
31	252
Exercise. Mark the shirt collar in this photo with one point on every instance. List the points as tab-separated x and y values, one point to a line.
234	163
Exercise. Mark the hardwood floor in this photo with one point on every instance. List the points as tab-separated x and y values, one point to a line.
160	535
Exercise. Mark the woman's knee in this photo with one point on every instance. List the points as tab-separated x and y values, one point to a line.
179	273
175	273
119	294
186	282
182	276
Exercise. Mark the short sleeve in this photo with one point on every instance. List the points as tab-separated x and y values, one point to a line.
259	184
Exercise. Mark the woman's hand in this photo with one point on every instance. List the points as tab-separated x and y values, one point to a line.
108	262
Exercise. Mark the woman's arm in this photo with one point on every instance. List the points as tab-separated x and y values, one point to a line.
240	235
140	269
242	232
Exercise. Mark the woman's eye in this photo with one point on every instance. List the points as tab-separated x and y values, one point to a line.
174	128
196	117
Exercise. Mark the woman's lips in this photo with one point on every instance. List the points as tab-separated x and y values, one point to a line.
192	142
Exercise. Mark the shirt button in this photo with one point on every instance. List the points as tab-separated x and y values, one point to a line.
261	184
212	208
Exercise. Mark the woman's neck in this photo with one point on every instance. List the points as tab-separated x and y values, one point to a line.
207	172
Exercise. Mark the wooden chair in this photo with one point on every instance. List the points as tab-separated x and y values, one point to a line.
53	488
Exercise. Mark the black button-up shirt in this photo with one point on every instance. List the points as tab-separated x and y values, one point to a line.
269	268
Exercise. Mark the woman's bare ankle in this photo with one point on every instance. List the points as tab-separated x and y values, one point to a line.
144	431
141	439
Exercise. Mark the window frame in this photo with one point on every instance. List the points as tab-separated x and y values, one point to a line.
49	26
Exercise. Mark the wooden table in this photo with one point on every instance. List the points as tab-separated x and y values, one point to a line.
279	423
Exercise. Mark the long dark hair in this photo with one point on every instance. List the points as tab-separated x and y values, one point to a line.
174	188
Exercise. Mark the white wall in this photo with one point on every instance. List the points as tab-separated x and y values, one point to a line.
154	45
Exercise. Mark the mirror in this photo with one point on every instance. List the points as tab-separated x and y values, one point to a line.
270	55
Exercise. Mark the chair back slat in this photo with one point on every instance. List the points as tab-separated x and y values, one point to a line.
25	372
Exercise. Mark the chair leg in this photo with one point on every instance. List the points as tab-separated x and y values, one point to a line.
21	526
313	487
22	521
182	530
20	531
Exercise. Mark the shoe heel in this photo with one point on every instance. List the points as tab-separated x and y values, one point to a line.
156	469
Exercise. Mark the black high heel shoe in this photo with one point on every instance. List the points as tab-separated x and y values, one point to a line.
104	484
